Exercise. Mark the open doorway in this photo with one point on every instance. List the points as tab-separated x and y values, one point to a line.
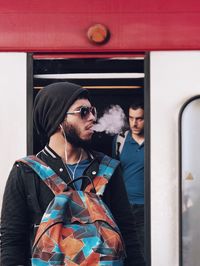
111	80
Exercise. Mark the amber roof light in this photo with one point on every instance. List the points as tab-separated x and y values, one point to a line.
98	34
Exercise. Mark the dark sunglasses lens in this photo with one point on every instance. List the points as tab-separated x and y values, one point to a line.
85	111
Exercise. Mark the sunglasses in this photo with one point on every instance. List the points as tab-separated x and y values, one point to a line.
84	112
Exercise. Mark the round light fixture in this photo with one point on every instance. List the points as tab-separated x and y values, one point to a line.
98	34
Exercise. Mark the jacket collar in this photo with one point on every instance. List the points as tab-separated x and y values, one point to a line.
55	162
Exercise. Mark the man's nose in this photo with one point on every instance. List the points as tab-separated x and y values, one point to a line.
134	121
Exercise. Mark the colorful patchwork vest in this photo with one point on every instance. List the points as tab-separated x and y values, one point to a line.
77	228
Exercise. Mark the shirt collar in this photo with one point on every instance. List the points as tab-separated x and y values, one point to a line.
131	139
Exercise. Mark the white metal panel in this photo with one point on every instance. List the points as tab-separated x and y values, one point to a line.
174	79
12	112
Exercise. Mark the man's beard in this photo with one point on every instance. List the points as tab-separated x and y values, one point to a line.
73	138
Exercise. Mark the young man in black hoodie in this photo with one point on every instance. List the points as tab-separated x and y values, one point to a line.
62	112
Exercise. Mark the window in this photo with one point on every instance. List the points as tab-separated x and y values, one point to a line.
190	182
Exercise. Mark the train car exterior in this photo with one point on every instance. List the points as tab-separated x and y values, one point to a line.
165	33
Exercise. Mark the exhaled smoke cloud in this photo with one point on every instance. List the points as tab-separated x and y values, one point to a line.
112	121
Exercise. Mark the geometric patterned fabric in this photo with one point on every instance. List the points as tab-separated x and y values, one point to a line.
77	228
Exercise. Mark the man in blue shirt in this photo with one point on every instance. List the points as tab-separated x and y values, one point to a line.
128	147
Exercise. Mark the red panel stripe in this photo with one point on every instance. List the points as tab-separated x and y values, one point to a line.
61	26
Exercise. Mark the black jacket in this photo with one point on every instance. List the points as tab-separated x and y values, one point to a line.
26	198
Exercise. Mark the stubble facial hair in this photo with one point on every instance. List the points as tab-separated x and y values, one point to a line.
72	136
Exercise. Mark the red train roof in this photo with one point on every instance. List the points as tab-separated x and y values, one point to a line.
61	26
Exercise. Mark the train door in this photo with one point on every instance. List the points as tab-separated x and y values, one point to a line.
189	125
112	79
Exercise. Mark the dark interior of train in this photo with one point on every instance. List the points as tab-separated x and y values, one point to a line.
111	81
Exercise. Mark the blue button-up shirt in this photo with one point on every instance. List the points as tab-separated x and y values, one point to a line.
132	162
